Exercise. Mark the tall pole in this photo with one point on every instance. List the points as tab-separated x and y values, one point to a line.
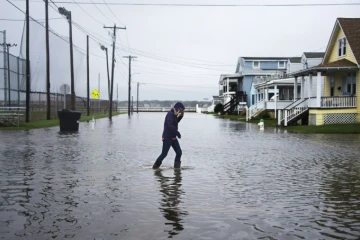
48	106
117	96
108	74
112	69
88	77
8	68
137	100
129	85
27	114
99	93
130	58
4	47
132	104
72	65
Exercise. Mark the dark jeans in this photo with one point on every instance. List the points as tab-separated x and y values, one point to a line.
167	143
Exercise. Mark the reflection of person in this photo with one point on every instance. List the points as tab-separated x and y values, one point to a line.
173	117
171	197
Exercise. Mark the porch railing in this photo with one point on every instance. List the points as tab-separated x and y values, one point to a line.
256	108
295	111
338	102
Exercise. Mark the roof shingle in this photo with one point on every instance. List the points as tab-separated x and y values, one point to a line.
351	29
314	54
339	63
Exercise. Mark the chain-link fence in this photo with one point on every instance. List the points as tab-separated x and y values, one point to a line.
13	90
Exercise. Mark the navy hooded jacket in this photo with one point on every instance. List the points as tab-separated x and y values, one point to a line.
171	122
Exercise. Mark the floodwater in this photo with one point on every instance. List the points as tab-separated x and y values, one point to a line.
235	183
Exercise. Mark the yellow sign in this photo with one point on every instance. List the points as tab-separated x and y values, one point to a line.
95	94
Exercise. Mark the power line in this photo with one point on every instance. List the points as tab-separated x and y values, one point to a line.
85	12
62	38
21	20
214	5
101	11
113	12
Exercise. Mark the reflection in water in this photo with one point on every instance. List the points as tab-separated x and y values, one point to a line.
171	199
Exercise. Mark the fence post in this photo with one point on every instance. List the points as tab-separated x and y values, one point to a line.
18	80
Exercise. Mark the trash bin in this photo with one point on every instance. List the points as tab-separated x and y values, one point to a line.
69	120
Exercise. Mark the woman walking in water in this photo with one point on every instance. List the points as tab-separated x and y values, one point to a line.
170	135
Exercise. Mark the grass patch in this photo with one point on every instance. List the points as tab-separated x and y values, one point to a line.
333	128
326	129
55	122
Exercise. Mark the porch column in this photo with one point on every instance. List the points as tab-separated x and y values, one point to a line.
267	94
279	118
295	89
227	85
309	85
302	90
275	100
318	89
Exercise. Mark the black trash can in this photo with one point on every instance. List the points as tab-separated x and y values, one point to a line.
69	120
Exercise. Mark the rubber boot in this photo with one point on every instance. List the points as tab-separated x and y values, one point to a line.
156	165
177	164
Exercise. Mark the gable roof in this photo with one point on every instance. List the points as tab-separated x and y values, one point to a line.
314	54
351	29
295	60
265	58
339	63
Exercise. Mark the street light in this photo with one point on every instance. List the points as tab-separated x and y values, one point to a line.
107	66
67	14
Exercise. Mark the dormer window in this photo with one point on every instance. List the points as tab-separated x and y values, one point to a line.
342	47
256	64
281	64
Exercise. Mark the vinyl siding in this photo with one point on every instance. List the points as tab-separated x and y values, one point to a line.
333	56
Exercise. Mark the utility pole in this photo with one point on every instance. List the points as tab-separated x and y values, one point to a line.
137	100
48	106
130	58
67	14
27	114
117	96
88	77
132	104
112	71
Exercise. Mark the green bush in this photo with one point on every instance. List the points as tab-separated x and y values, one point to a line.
219	108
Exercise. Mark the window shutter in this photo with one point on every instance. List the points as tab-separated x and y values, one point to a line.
344	45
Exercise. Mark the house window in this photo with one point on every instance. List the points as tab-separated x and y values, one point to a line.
256	64
342	47
281	64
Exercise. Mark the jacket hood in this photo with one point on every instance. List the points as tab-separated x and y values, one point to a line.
179	105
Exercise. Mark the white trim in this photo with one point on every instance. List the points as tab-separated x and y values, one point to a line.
253	65
283	66
331	38
339	46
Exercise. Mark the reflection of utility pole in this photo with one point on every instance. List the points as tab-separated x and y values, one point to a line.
8	45
117	96
112	71
130	58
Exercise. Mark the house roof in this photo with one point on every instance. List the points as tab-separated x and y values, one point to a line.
265	58
314	54
328	67
339	63
295	60
351	29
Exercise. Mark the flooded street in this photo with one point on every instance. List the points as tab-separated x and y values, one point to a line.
235	182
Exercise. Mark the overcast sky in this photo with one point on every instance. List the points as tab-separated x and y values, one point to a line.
183	50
